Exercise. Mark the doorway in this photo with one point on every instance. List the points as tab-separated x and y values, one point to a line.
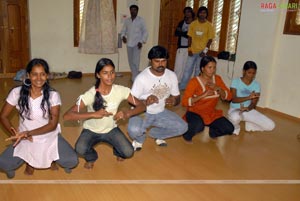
14	36
171	13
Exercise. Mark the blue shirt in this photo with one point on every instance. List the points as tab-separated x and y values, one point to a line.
243	90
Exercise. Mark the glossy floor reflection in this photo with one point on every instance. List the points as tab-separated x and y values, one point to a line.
243	167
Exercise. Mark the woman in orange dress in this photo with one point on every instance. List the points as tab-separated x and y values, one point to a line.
201	97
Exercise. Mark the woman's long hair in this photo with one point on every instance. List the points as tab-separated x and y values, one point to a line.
25	91
99	102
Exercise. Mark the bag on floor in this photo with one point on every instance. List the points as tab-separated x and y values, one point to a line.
74	74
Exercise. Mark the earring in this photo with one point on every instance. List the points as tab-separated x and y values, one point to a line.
27	82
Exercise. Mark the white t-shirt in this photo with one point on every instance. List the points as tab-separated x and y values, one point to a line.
44	148
146	84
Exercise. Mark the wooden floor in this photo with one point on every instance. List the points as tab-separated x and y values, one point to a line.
256	166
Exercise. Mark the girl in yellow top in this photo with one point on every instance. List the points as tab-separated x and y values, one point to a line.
98	107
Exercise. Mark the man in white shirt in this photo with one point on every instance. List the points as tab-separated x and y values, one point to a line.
157	87
134	34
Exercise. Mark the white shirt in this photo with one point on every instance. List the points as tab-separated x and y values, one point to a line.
135	31
44	148
146	84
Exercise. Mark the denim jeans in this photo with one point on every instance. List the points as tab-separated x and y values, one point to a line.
165	124
116	138
67	157
192	65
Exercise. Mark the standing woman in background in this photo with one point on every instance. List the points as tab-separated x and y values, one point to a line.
245	95
98	107
201	97
38	141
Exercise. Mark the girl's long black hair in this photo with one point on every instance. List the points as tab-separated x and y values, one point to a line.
23	101
99	102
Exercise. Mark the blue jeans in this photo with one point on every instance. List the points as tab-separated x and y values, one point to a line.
88	139
67	157
192	65
165	124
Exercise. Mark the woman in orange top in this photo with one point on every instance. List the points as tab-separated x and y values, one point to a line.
201	97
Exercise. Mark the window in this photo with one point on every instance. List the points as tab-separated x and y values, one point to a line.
292	19
225	17
298	16
78	6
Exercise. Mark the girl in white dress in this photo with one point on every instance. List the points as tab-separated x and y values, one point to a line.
38	142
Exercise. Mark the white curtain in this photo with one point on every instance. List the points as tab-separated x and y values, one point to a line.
98	28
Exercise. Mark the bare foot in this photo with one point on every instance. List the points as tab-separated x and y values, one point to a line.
28	170
89	165
54	166
120	159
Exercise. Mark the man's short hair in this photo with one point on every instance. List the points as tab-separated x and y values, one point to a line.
158	52
202	8
134	6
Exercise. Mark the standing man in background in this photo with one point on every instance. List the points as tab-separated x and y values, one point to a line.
182	44
134	34
201	33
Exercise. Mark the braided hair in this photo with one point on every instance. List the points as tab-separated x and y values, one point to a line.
99	102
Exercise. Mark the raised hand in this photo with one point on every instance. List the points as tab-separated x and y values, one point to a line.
171	101
18	136
253	95
242	108
121	115
151	99
102	113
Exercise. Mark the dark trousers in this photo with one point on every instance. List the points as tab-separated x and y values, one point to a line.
218	127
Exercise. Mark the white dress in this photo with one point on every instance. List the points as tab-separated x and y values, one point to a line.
43	149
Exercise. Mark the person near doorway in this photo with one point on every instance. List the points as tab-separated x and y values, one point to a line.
182	43
134	33
37	140
200	34
157	86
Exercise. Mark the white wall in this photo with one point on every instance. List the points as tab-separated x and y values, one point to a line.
51	30
260	40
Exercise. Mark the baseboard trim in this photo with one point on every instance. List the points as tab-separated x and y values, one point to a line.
281	114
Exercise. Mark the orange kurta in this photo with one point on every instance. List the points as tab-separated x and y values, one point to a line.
205	107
